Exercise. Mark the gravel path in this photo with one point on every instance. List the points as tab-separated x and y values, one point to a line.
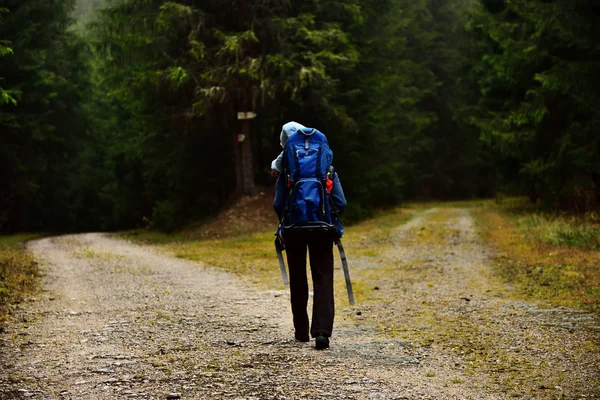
120	320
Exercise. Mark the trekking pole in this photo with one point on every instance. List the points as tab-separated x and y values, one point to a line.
338	242
279	249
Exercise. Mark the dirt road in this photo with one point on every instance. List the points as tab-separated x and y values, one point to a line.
120	320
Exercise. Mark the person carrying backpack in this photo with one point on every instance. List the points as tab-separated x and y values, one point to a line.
309	201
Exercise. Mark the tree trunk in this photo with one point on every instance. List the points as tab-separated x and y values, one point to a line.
244	161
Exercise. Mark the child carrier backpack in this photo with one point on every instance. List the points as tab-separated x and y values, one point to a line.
307	167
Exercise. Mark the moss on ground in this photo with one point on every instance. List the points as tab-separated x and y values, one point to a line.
19	274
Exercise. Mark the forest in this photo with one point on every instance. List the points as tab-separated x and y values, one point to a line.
124	113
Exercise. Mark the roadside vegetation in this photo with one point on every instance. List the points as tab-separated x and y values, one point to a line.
548	256
18	273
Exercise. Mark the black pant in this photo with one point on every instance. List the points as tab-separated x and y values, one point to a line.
320	247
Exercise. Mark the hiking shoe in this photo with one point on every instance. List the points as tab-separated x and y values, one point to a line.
321	342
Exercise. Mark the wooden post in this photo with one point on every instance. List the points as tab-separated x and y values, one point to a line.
239	186
246	175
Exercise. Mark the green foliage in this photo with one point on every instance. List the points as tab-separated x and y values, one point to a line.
251	64
127	116
539	101
169	81
5	97
46	77
85	12
406	105
390	115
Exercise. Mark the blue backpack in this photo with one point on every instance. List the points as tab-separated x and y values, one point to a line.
307	167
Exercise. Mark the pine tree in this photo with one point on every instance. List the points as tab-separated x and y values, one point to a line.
182	72
539	94
5	97
38	134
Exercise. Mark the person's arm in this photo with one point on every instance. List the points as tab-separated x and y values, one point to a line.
276	164
337	195
280	196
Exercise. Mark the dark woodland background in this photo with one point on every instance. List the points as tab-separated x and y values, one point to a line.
123	113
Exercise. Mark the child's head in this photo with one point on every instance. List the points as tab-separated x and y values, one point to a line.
288	130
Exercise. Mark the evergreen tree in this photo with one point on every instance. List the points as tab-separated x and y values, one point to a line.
407	112
182	77
392	84
5	97
38	134
86	11
539	95
132	118
450	166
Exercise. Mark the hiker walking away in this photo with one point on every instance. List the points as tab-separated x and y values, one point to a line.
308	201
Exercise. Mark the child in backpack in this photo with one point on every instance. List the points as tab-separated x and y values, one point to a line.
286	131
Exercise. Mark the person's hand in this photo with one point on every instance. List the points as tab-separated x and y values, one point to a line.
274	173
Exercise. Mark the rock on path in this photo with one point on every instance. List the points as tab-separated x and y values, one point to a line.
120	320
